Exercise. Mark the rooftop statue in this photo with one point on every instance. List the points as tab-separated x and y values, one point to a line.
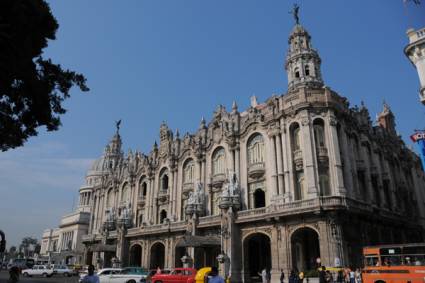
294	12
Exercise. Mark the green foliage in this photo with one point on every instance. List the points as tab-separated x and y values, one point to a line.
32	88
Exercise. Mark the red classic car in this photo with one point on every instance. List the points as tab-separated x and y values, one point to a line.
177	275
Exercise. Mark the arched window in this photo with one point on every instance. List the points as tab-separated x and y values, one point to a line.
125	193
164	180
256	149
319	133
295	136
219	162
259	198
307	70
188	172
299	189
297	72
143	189
162	216
110	200
325	189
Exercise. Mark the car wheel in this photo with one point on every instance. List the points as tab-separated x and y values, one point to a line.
45	275
131	281
25	274
158	281
66	274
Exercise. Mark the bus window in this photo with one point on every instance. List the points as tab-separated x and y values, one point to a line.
389	260
372	261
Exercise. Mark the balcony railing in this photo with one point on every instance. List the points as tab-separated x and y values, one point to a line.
218	180
256	170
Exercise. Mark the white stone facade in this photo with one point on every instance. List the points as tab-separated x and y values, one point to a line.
298	177
415	51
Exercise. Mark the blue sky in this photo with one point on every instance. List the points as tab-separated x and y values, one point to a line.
175	61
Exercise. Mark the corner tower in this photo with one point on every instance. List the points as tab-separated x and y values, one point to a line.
302	61
415	51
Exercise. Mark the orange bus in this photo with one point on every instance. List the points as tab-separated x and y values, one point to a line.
394	264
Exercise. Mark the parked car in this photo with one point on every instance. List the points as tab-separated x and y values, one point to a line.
38	270
104	274
129	275
177	275
62	270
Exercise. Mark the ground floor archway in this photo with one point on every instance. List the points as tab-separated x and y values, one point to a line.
256	256
157	256
136	255
305	249
206	256
179	253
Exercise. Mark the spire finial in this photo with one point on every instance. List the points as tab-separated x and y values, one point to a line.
294	12
234	106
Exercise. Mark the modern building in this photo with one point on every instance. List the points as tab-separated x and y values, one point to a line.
415	51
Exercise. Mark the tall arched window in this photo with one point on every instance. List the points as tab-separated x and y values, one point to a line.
143	188
307	70
125	193
297	72
189	171
219	161
295	137
110	200
256	149
162	216
319	133
325	189
299	189
163	177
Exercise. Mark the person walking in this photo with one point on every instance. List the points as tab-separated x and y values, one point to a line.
352	276
322	275
301	277
214	277
13	274
282	276
263	275
90	277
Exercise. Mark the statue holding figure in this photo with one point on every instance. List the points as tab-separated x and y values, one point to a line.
294	12
233	186
191	199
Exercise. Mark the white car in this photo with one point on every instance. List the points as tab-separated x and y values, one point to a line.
38	270
104	274
128	275
62	270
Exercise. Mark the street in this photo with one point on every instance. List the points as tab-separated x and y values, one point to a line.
4	276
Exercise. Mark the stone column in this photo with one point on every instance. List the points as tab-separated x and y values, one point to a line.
365	157
348	177
237	162
274	246
170	195
288	163
308	156
175	189
272	158
335	165
279	158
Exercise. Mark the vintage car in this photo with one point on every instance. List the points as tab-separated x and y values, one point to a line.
38	270
129	275
177	275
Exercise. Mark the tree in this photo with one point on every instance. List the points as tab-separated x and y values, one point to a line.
32	88
27	246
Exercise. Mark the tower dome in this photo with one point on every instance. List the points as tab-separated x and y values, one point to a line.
302	61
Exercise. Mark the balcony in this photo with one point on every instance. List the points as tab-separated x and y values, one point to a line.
218	180
256	170
163	196
298	159
322	154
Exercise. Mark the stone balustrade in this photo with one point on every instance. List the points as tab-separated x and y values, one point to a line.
256	170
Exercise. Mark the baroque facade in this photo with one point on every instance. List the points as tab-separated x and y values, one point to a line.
299	180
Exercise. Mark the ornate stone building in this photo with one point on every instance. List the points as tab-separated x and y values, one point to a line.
299	179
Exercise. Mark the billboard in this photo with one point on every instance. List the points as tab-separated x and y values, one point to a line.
419	138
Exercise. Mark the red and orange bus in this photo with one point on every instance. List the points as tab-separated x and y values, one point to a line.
394	263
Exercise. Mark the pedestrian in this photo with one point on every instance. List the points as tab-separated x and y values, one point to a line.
13	274
322	278
352	276
292	276
358	276
269	276
214	277
340	277
301	277
263	275
282	276
90	277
